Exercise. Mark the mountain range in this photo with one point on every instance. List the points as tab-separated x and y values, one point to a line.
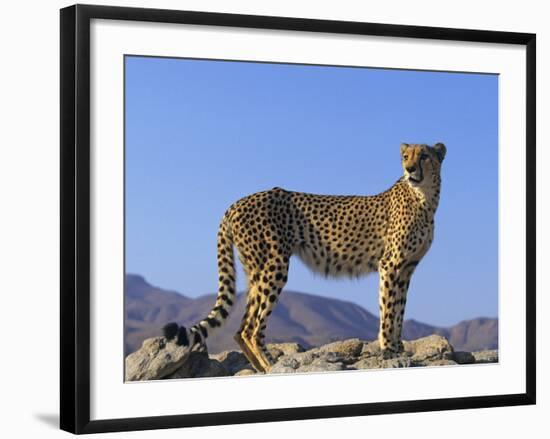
298	317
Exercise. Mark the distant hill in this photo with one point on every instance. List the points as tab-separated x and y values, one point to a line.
298	317
469	335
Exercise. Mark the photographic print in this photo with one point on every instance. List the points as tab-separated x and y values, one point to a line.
292	218
285	218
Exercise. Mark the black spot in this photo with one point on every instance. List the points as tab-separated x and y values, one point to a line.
182	337
212	322
170	330
272	298
223	313
197	339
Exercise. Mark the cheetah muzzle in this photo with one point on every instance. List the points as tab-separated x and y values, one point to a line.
336	235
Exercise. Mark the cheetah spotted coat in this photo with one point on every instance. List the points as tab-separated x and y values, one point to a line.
334	235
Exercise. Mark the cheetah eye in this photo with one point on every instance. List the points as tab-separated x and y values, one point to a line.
405	157
423	156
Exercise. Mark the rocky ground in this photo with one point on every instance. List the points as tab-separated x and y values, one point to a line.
157	359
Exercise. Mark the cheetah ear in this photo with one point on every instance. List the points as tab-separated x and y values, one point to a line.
440	150
404	147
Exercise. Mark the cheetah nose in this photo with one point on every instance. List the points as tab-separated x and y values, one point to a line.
411	169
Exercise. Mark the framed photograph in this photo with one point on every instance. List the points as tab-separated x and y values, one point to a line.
276	218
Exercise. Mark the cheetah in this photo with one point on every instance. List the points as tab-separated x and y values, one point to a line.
336	235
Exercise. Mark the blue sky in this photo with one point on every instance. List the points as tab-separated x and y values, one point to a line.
201	134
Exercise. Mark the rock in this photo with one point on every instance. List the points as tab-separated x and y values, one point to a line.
441	363
199	365
334	357
321	365
428	351
279	349
155	360
324	363
245	372
158	360
367	363
486	356
371	349
402	361
348	349
373	362
290	362
464	357
280	368
431	348
314	360
233	361
409	347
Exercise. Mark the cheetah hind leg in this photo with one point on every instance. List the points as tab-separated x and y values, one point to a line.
248	353
242	337
259	350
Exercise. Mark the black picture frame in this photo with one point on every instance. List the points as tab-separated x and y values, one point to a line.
75	217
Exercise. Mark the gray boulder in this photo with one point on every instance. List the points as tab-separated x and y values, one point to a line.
381	363
464	357
279	349
199	365
155	360
232	361
486	356
427	351
431	348
330	357
315	360
245	372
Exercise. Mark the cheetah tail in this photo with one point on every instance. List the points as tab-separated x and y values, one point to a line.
197	334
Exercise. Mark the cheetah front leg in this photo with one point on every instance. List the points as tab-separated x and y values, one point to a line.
394	284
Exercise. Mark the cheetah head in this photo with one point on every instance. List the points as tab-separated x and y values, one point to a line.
421	163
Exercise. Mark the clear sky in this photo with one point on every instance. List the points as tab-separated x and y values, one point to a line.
202	134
